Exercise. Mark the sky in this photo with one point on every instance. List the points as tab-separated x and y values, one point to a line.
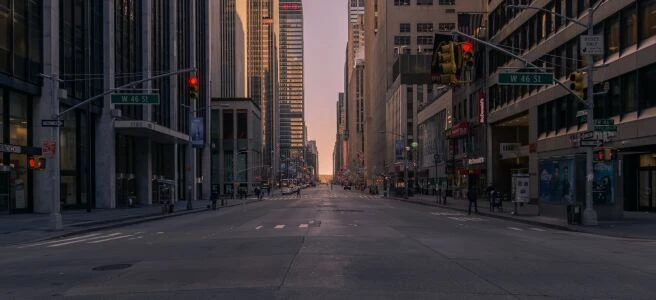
325	38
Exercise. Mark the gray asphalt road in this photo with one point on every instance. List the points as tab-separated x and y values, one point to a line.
331	244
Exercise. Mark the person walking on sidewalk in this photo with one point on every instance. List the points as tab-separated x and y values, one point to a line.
298	192
471	195
439	194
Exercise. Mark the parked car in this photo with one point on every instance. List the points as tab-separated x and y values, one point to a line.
286	190
347	187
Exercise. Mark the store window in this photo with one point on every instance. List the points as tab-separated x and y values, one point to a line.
68	163
18	116
647	18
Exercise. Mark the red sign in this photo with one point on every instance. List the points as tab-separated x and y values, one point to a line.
48	148
290	6
481	108
459	130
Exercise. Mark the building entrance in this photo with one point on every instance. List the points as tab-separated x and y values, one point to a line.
647	189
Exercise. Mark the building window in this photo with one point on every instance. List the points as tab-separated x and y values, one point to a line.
647	18
629	99
424	27
447	26
424	40
447	2
629	27
404	27
424	2
401	40
647	87
401	2
612	38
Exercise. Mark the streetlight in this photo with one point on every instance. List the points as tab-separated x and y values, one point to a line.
589	214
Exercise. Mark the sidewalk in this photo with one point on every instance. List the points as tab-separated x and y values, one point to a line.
638	225
22	228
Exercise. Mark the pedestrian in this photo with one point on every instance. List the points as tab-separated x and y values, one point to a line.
268	191
298	192
490	191
471	195
257	192
439	194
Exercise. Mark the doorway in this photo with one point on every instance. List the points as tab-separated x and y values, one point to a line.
647	189
4	191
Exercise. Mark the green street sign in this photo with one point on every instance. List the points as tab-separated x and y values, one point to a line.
605	128
525	78
135	99
598	122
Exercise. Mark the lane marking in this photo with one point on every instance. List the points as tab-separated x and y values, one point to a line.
109	239
303	226
160	232
515	228
538	229
279	226
84	240
258	227
59	241
312	222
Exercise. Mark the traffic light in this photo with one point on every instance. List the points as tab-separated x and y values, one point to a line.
192	83
577	83
467	54
605	154
36	163
445	63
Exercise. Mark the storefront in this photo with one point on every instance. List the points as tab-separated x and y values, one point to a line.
15	176
639	179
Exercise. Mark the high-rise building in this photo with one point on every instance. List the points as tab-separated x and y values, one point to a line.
291	89
110	154
392	28
355	9
229	52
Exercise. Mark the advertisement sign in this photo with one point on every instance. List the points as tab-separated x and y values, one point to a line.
398	149
557	181
481	108
197	133
604	179
521	183
48	148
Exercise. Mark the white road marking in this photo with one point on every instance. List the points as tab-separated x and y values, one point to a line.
446	214
312	222
109	239
279	226
538	229
59	241
465	219
258	227
160	232
515	228
84	240
303	226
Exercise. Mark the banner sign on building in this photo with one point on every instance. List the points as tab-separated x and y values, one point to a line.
481	108
557	181
398	149
604	178
197	133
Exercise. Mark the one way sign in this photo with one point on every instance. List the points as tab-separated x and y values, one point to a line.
591	143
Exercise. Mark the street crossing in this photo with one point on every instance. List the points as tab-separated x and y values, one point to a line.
329	196
92	238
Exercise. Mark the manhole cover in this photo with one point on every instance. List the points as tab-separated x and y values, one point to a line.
112	267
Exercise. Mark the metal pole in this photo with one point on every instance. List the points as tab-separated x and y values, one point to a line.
55	212
191	160
405	172
589	214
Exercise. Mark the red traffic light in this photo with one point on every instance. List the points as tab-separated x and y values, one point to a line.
467	47
31	162
192	81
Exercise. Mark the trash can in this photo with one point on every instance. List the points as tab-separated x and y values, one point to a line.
574	214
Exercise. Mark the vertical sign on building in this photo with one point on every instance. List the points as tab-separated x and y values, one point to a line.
481	107
197	133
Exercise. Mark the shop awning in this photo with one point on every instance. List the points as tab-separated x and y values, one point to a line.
157	133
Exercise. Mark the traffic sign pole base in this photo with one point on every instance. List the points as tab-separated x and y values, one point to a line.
56	221
589	217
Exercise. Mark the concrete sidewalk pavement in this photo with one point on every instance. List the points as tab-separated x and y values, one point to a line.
22	228
639	225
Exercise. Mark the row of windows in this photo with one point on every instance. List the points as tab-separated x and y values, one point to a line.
423	2
426	27
631	92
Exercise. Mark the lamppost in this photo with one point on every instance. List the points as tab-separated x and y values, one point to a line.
589	214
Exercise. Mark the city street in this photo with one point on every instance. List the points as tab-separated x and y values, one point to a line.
331	244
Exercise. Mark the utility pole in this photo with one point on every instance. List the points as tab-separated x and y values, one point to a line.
589	214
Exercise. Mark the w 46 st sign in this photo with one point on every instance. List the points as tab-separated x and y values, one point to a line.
522	78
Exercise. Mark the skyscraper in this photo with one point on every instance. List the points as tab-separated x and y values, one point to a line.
292	117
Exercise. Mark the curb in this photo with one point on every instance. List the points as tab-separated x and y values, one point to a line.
125	222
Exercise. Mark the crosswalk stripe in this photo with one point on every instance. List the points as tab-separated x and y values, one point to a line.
538	229
110	239
279	226
84	240
258	227
303	226
59	241
515	228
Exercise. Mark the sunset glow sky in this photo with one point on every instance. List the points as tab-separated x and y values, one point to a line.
325	37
